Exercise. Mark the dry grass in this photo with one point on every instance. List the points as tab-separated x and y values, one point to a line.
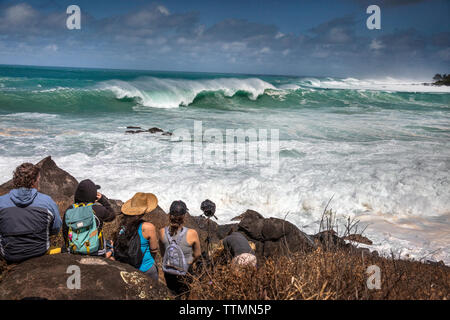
323	275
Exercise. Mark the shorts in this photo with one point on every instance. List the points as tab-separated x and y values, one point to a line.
152	272
244	259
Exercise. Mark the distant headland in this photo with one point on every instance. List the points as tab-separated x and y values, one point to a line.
441	80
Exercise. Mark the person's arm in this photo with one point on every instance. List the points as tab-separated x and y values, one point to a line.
149	233
162	248
57	223
197	251
104	212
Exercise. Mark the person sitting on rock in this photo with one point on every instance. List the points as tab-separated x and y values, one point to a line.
180	248
137	242
27	217
240	249
83	221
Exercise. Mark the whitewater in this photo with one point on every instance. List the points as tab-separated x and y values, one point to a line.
379	147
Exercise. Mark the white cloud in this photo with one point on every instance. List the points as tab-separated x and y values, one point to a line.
376	44
19	14
279	35
52	48
163	10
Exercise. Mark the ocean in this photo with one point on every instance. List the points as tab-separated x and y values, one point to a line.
380	148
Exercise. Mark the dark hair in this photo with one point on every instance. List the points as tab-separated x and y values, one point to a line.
175	222
129	225
25	175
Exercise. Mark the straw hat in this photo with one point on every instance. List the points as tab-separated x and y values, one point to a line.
140	203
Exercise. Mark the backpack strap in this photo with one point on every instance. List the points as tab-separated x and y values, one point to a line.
168	237
178	237
181	234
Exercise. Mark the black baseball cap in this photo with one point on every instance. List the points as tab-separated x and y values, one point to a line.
178	208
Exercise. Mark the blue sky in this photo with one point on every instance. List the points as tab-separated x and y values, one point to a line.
321	38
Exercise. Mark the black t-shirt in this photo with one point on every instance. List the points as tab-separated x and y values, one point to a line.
236	244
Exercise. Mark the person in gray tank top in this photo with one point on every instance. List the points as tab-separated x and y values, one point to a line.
189	244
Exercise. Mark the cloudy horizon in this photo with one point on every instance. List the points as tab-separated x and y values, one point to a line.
290	38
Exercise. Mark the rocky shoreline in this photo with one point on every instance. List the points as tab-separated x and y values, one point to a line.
273	238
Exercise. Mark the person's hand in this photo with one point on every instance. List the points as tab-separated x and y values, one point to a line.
99	195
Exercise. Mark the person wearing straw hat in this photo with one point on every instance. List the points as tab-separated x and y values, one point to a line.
132	225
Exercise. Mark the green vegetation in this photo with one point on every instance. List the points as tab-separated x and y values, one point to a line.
441	80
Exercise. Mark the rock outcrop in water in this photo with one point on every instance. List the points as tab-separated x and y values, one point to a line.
134	130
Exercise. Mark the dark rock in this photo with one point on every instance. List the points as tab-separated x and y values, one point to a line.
116	205
46	278
252	226
151	130
135	131
54	181
155	129
223	230
273	236
329	240
248	214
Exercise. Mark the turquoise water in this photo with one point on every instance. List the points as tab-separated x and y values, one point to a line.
380	146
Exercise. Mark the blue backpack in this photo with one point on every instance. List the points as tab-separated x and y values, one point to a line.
83	236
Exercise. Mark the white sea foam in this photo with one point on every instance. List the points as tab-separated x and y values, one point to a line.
375	182
386	84
387	167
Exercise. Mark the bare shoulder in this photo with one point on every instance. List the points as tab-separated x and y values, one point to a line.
148	226
192	234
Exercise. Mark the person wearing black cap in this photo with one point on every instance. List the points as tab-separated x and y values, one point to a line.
187	239
87	192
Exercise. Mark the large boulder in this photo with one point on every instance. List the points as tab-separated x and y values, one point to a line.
273	236
54	181
46	277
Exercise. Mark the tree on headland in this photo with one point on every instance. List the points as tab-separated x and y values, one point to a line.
441	80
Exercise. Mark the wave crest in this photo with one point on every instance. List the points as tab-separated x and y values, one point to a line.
172	93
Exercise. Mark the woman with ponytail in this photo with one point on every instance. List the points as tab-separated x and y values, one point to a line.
188	241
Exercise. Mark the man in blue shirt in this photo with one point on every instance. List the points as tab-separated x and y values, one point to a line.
27	217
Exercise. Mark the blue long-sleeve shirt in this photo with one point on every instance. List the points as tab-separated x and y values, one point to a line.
27	219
